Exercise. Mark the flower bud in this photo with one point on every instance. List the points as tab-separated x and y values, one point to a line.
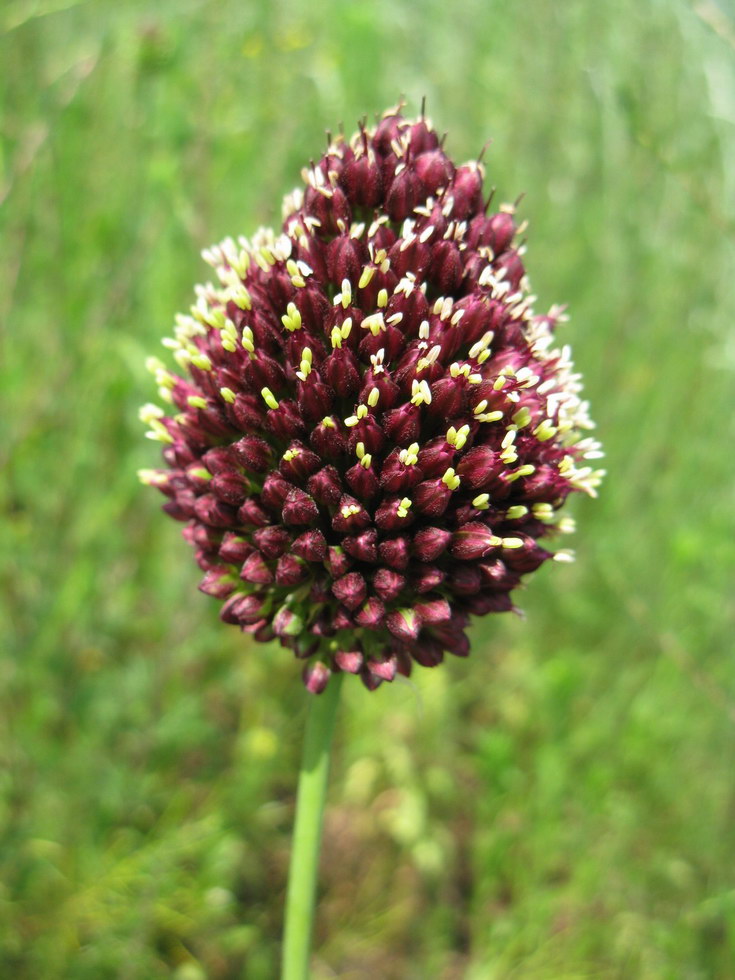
349	660
253	453
472	541
371	613
430	542
364	546
234	549
291	570
299	508
394	552
404	624
388	584
326	487
255	570
350	589
272	541
311	545
218	583
426	578
316	677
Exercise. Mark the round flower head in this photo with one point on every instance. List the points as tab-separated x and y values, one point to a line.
370	430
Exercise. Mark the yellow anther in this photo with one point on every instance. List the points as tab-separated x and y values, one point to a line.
383	298
403	507
269	398
545	430
328	421
374	323
450	479
513	513
346	293
420	393
196	401
360	450
291	319
228	395
482	501
367	274
522	417
512	543
373	397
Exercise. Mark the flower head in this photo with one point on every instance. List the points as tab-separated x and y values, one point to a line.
370	430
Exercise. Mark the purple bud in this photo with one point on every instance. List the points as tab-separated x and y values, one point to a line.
362	482
430	542
434	170
341	619
404	194
211	511
436	610
446	268
472	541
253	453
447	396
371	613
432	497
251	514
362	181
272	541
388	584
403	425
404	624
275	490
230	487
384	669
363	547
328	210
316	677
348	660
350	589
327	439
428	653
392	515
467	190
218	459
291	570
342	371
326	487
350	516
255	570
243	610
495	232
298	463
234	549
394	552
218	583
345	259
480	467
314	399
338	562
426	578
287	623
311	545
466	579
299	508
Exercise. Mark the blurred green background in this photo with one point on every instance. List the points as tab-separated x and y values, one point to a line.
560	806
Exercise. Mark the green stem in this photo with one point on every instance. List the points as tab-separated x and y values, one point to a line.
302	875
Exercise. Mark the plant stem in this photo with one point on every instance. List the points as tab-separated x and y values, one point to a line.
302	875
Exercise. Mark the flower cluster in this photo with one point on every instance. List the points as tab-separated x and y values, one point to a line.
372	430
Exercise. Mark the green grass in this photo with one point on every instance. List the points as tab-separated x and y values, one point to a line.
561	805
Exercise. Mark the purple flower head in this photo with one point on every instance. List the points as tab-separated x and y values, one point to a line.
370	430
